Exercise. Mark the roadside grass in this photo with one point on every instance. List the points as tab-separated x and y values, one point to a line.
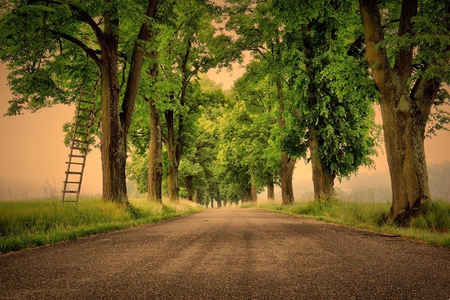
26	224
432	227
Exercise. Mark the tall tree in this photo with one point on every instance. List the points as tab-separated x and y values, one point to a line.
408	51
40	41
259	31
331	96
188	46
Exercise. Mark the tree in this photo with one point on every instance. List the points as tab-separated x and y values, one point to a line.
330	94
259	31
187	46
41	40
263	155
408	51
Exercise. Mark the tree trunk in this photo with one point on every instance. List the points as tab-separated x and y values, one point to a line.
172	157
287	163
116	121
405	151
212	202
404	113
188	182
114	134
247	195
155	167
195	197
287	171
254	194
270	191
323	181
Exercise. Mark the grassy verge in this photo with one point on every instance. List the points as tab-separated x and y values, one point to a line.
26	224
432	228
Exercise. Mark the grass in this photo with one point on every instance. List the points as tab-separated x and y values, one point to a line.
432	228
26	224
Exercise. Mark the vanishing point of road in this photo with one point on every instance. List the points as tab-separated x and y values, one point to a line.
230	254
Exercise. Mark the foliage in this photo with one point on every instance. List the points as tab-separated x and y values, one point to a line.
25	224
329	90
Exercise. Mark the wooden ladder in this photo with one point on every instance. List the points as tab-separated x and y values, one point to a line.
79	145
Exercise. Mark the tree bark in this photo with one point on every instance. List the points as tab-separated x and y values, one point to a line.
287	172
323	181
155	166
172	157
188	182
270	191
254	194
404	113
114	133
115	122
287	163
195	197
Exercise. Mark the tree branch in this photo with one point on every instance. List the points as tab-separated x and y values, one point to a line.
403	62
137	58
89	51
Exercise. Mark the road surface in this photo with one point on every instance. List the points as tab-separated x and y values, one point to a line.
230	254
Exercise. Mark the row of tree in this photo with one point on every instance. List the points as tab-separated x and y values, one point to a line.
317	68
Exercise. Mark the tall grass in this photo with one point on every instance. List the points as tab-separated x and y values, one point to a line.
28	224
432	227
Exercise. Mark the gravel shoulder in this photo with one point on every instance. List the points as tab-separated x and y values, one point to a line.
230	254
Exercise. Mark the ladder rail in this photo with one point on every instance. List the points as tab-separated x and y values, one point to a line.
81	145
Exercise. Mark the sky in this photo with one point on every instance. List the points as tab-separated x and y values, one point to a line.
33	155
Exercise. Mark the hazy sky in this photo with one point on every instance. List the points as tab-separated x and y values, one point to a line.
33	156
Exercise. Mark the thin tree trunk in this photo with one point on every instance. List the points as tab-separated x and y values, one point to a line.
195	197
172	157
270	191
188	183
155	167
323	181
254	194
287	163
287	172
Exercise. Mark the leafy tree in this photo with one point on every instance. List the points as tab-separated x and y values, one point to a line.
50	46
331	95
263	154
187	46
259	31
408	51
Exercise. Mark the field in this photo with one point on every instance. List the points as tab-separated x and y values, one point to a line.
432	228
26	224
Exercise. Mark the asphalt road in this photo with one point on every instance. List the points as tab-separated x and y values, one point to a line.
230	254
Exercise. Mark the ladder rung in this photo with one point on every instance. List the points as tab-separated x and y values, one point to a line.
70	192
76	155
84	101
79	149
74	163
69	201
84	109
79	141
83	118
74	173
72	182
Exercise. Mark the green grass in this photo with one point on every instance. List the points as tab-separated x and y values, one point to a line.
432	228
26	224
